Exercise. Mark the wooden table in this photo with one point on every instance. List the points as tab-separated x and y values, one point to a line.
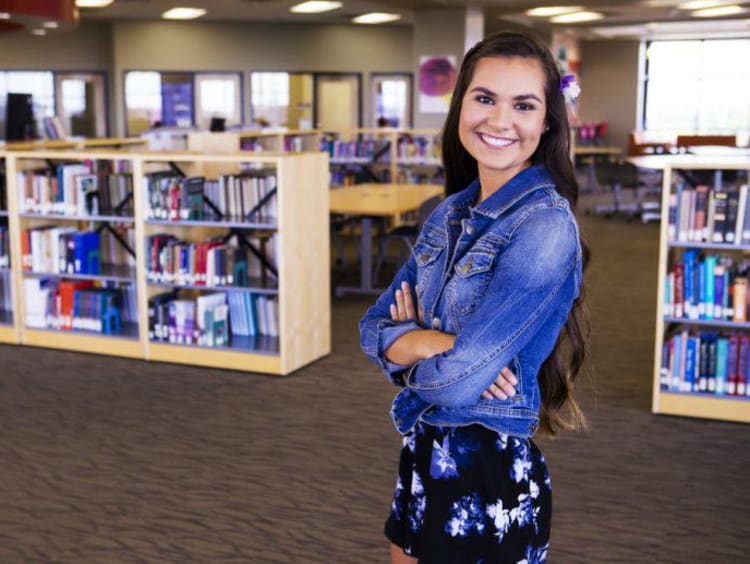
376	200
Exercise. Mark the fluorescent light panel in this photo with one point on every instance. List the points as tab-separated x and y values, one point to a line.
181	13
38	32
376	18
50	25
315	7
719	11
547	11
700	4
4	16
93	3
577	17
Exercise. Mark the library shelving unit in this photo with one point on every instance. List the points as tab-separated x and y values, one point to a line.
702	344
405	156
262	140
265	211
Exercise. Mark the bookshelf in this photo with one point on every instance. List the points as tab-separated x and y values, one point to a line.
702	342
265	213
388	155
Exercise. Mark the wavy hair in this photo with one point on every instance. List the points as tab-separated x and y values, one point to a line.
558	373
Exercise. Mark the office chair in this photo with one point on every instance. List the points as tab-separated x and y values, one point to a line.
621	175
406	234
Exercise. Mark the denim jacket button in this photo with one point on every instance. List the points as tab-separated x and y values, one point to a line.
436	323
469	229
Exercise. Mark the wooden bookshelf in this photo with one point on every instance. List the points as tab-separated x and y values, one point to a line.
302	263
694	404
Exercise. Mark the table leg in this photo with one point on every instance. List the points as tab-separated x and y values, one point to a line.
365	268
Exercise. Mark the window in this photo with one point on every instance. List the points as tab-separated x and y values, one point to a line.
392	98
697	87
81	103
40	84
142	100
218	96
269	98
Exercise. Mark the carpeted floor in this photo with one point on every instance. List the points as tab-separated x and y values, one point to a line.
108	460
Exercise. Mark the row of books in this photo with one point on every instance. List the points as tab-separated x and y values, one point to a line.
90	188
356	174
170	260
362	150
4	247
55	303
411	176
57	249
706	362
211	319
705	215
418	149
707	286
6	296
234	196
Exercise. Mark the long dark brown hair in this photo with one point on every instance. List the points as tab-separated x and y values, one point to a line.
559	371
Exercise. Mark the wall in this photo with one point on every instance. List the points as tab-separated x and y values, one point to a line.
436	32
247	47
89	48
609	83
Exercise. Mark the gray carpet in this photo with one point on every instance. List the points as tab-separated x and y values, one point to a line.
111	460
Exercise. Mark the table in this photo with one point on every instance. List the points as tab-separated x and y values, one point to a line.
84	143
376	200
594	151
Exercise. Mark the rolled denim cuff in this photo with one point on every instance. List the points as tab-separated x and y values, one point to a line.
387	336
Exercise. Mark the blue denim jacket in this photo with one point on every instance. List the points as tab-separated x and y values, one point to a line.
502	276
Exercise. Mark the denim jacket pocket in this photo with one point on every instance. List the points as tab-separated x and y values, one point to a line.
474	272
425	255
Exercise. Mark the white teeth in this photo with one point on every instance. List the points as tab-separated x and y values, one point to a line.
496	141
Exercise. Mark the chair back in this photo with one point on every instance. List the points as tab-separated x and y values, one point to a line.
427	207
609	173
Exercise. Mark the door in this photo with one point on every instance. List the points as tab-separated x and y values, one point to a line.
337	101
81	103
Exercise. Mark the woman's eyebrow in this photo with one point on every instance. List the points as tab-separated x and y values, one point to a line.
520	97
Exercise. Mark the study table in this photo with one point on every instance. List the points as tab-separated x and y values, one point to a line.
376	200
83	143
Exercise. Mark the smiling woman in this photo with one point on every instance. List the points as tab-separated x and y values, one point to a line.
472	327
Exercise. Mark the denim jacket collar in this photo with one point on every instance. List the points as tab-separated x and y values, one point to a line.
524	182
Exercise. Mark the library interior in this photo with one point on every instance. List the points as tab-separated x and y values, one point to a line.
246	177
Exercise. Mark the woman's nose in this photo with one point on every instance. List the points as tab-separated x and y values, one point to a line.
500	117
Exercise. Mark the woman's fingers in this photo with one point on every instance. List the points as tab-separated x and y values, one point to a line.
503	387
400	305
411	312
394	312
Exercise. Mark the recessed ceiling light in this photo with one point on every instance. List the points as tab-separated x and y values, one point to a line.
376	18
183	13
577	17
700	4
718	12
315	7
4	16
38	32
50	25
93	3
547	11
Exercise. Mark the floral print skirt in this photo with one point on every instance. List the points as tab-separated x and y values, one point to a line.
470	495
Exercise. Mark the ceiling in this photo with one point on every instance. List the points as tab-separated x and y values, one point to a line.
623	19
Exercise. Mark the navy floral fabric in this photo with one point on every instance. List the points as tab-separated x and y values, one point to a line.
470	495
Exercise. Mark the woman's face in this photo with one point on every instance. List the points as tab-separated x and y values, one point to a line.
503	117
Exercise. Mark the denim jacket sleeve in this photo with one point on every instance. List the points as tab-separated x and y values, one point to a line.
378	331
536	274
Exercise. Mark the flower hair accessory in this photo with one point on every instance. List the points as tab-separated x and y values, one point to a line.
569	88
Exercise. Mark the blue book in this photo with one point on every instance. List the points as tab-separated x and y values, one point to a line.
86	252
719	289
711	262
702	290
690	298
703	341
677	363
691	353
722	354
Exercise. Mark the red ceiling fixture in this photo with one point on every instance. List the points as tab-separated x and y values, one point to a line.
33	14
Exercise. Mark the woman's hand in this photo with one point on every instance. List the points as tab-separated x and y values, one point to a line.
404	309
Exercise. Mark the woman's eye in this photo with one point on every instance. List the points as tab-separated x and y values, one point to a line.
484	99
524	107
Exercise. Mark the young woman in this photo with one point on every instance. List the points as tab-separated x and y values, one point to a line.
474	326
